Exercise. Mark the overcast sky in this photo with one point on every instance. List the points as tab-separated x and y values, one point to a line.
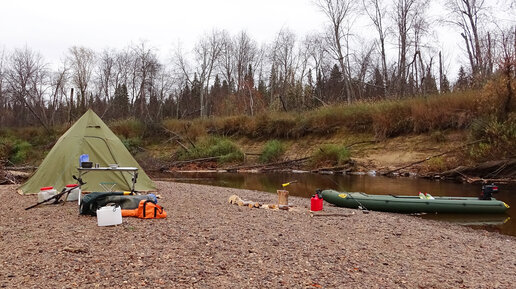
52	26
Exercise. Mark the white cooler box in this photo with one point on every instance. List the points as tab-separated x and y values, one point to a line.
109	216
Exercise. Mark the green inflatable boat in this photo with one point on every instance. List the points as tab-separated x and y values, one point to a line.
415	204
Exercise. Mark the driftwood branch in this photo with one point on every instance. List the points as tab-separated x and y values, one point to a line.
360	142
347	165
196	160
268	164
430	157
178	137
25	168
490	171
182	145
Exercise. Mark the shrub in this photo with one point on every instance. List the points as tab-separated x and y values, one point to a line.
19	152
272	151
436	164
132	144
128	128
223	148
331	154
498	138
188	129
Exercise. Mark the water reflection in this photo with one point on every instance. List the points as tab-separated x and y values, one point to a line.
308	183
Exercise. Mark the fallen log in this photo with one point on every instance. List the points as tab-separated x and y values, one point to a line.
25	168
335	168
490	171
233	169
195	160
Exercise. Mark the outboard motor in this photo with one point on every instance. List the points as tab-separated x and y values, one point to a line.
487	191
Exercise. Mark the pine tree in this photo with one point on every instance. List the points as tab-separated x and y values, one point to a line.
445	84
429	83
378	90
463	80
334	84
121	102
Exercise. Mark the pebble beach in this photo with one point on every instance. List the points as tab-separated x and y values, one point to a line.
205	242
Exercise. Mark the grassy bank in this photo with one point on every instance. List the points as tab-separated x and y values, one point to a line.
475	114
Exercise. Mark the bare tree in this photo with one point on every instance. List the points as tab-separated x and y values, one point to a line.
339	13
315	46
82	63
468	16
3	96
376	10
226	61
58	83
205	54
406	15
24	76
105	74
508	68
283	59
245	53
145	65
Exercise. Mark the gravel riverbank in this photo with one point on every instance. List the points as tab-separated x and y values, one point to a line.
207	243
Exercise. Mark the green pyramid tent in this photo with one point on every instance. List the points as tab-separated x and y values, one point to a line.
89	135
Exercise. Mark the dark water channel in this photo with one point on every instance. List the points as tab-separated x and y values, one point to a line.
308	183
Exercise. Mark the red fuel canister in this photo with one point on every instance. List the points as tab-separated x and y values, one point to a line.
316	203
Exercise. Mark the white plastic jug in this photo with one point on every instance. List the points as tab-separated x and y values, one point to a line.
74	194
46	193
109	216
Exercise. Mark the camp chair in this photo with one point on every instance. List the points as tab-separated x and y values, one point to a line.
108	186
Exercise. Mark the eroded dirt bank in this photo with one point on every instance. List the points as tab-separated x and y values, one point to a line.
207	243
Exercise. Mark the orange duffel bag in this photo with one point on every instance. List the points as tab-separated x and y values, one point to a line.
147	209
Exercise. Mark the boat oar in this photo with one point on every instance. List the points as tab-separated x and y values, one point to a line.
360	206
287	184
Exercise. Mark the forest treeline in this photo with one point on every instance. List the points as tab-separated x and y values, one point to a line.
225	75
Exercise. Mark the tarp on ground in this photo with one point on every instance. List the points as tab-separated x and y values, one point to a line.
89	135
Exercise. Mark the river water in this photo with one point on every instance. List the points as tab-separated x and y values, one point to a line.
306	184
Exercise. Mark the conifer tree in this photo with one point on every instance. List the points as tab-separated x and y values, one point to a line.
121	102
463	80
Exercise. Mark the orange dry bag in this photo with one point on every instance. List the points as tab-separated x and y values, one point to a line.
147	209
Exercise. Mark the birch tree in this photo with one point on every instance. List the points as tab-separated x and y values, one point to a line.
339	14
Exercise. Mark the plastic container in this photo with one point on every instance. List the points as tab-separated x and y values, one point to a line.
109	216
46	193
74	193
316	203
83	159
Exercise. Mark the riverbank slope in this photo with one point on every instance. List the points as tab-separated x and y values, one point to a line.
206	242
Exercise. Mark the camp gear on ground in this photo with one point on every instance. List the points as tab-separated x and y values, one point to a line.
57	197
109	216
74	194
46	193
413	204
316	202
89	135
147	209
91	202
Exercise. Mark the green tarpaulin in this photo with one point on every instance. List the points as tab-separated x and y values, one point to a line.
89	135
